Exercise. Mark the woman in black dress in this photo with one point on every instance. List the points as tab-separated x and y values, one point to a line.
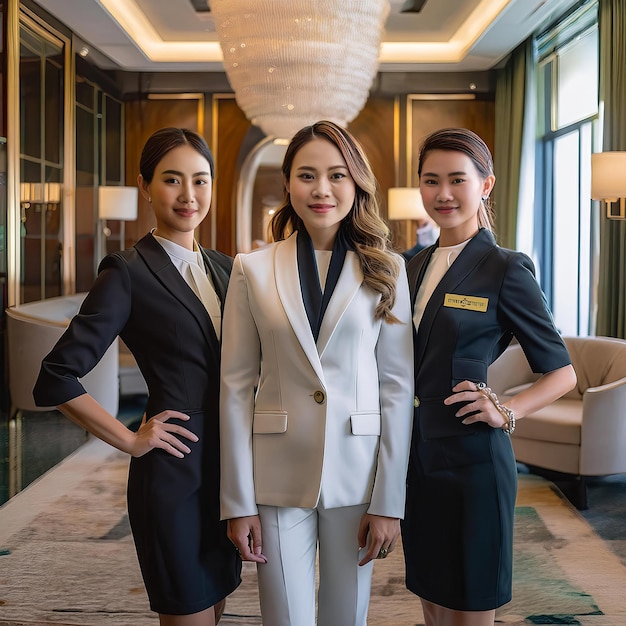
470	297
163	298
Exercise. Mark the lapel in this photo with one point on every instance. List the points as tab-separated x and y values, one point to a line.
290	294
218	274
159	263
349	282
415	270
465	263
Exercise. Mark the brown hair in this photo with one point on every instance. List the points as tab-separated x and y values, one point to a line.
365	230
469	143
166	139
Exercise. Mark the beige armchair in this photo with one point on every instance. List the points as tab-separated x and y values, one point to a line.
583	433
32	331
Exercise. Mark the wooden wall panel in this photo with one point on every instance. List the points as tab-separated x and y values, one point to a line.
143	117
228	139
423	114
427	116
374	128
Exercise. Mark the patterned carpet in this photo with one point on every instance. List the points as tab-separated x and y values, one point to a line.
66	558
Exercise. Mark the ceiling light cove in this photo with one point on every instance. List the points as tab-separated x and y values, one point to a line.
452	51
137	26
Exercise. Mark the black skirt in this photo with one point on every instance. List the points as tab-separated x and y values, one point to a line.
458	529
187	562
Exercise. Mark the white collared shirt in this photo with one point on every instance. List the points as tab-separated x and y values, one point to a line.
190	264
441	260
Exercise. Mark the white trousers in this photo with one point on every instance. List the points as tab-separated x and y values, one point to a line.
291	537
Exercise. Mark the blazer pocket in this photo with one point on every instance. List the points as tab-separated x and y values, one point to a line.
468	369
269	423
365	423
437	420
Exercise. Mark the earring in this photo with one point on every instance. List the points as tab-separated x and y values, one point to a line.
150	199
484	198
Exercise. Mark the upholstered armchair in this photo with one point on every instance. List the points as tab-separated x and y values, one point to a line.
32	331
582	434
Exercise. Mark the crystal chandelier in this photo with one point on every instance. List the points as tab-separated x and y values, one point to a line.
294	62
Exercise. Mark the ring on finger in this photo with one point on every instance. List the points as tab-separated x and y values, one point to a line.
382	553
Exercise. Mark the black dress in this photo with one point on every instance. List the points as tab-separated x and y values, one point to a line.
462	481
187	562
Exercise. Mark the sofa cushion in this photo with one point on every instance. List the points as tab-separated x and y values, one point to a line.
560	422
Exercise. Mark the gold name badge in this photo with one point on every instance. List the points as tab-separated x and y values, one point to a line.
469	303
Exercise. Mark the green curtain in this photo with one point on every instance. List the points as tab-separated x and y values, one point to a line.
511	96
611	318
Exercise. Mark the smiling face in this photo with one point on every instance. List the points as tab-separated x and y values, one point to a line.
321	190
452	190
180	194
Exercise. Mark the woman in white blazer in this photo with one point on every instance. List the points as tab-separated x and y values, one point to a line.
317	392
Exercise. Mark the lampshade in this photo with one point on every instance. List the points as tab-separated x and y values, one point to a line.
405	203
117	203
294	62
28	192
40	193
52	193
32	192
608	175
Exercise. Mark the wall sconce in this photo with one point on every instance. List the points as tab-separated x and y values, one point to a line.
116	203
36	196
405	203
40	193
28	193
608	182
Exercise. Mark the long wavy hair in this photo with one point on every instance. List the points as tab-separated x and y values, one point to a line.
363	227
469	143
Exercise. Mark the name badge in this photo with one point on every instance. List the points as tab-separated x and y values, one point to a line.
468	303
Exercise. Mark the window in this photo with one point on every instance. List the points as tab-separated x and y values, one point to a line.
568	133
41	65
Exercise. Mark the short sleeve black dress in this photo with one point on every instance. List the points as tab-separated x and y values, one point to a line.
187	562
462	480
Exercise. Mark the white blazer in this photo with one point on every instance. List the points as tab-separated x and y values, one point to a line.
300	421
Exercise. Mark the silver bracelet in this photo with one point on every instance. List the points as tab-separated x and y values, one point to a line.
509	416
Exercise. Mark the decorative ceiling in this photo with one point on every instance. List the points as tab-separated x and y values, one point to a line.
420	35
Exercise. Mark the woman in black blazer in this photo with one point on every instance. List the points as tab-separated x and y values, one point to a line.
150	295
470	298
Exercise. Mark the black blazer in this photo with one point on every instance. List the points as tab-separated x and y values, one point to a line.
488	296
141	296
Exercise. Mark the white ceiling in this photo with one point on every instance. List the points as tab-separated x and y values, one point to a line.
169	35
